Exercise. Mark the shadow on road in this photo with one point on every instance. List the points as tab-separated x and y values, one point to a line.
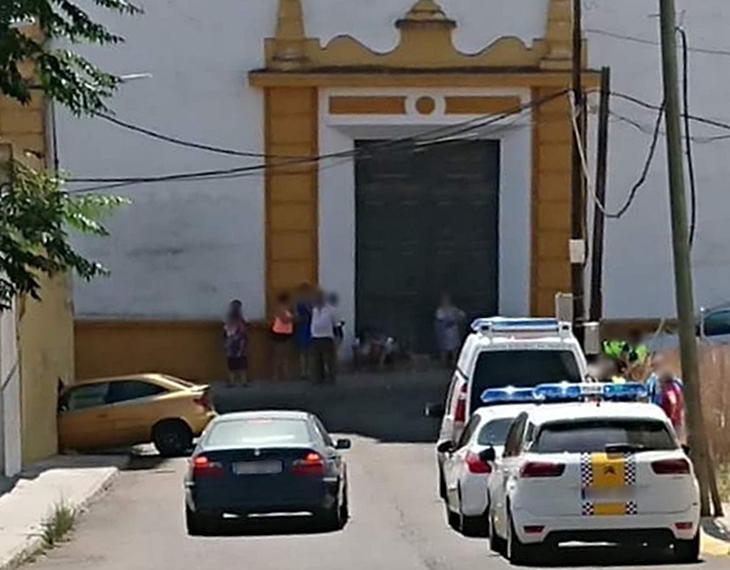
273	526
600	556
388	408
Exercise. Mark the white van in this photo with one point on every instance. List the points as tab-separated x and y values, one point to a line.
503	352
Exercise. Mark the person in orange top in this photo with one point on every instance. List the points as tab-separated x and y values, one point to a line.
282	332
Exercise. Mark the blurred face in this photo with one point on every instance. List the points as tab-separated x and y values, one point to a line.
658	364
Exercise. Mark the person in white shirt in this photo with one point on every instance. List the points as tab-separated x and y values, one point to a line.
324	349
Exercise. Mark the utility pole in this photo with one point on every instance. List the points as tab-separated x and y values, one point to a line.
699	447
577	205
599	219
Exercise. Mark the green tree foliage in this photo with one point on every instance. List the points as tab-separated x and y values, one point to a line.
36	54
60	73
36	216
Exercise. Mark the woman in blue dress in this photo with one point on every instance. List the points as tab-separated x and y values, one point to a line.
302	327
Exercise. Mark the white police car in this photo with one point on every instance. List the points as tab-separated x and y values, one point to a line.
466	473
503	352
602	471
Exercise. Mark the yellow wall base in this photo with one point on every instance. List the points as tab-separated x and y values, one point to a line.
189	349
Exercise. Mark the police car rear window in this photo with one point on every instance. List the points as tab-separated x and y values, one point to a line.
590	436
522	369
494	432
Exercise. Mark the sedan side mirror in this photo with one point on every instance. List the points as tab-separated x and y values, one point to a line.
445	447
434	410
343	444
686	448
488	455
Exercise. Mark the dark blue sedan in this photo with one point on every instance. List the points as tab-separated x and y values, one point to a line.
269	462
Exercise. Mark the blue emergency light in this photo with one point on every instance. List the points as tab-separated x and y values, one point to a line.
567	392
503	324
508	395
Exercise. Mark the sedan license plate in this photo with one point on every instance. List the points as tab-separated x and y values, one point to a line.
257	467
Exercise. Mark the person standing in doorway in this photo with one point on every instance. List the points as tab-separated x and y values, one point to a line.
302	328
282	331
324	349
448	321
235	335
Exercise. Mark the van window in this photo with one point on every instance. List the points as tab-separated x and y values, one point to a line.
521	368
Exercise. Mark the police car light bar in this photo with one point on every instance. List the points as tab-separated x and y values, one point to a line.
508	395
565	392
502	325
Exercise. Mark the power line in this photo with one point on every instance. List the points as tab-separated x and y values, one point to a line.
179	141
446	132
649	130
644	41
688	136
652	106
644	172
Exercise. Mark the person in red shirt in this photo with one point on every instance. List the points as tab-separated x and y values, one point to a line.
671	401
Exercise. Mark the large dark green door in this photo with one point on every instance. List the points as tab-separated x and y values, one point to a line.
426	223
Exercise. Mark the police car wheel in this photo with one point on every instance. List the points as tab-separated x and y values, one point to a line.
518	553
442	485
687	551
496	543
474	527
454	519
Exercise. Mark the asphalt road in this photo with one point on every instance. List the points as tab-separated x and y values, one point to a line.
397	522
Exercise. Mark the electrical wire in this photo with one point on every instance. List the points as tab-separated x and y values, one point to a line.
447	132
649	130
644	172
688	136
654	107
638	40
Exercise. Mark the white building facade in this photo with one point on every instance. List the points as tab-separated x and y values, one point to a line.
307	86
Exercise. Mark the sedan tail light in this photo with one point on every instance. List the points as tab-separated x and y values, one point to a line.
202	467
476	465
310	465
203	400
671	467
537	469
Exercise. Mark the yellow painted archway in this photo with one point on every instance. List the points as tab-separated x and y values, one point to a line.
298	67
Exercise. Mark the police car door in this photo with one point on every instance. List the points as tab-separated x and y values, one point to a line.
455	462
505	469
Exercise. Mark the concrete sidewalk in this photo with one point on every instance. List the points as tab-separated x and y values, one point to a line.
31	497
716	534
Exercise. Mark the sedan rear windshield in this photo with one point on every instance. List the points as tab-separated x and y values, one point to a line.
257	432
522	368
590	436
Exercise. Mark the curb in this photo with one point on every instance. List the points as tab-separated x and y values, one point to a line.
34	544
713	546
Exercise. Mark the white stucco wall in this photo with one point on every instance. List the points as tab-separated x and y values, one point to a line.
184	249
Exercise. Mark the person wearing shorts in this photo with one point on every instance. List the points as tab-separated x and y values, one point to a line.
282	331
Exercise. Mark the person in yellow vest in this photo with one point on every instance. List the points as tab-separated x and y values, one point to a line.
282	332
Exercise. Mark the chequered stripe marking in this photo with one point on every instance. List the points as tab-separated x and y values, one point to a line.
586	470
589	508
630	469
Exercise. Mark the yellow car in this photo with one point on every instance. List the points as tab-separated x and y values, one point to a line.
109	413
